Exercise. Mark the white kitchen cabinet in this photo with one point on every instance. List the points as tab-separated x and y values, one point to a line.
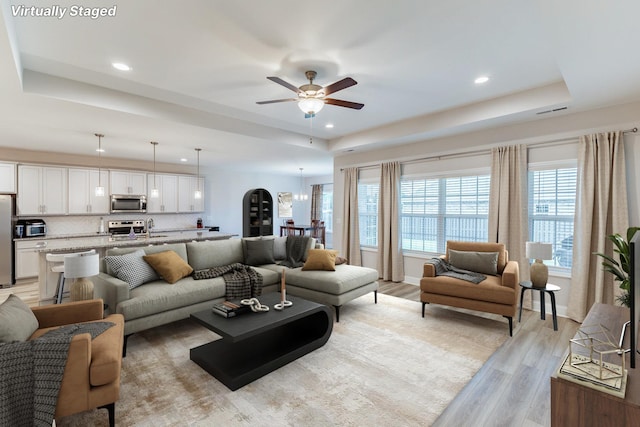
82	194
7	178
42	190
167	200
187	186
27	258
128	182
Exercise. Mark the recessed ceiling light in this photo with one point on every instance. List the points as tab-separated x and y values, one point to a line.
329	125
183	159
120	66
100	150
481	79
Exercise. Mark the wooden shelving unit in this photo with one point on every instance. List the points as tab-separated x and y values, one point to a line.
257	208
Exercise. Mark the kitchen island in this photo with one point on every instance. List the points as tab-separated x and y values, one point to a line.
48	280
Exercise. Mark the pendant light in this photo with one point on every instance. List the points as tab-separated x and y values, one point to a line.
198	194
154	191
302	195
99	189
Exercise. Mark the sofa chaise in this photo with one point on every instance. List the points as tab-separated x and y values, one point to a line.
153	302
496	294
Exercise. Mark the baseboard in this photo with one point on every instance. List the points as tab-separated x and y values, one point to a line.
412	280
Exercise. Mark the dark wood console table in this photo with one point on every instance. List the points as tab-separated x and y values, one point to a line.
576	405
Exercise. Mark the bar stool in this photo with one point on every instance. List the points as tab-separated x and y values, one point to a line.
58	267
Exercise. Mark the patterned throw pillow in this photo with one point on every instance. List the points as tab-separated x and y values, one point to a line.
131	268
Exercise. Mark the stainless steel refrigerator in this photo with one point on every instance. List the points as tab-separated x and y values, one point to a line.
7	210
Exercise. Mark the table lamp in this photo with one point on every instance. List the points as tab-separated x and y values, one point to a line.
539	271
80	267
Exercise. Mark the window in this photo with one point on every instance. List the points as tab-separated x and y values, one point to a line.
435	210
552	203
368	213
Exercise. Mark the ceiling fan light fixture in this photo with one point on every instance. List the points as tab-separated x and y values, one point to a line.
310	105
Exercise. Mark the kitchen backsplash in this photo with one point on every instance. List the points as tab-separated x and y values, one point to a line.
69	225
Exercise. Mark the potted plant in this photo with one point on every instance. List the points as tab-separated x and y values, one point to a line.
620	269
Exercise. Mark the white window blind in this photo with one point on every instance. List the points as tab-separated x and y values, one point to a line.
552	201
434	210
368	196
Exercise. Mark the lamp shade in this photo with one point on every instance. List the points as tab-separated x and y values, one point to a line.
538	250
310	105
81	265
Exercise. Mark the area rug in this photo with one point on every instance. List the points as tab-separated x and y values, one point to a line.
383	365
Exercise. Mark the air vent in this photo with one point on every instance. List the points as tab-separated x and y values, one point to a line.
552	111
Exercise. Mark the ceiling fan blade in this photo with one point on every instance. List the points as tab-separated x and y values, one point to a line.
273	101
339	85
285	84
341	103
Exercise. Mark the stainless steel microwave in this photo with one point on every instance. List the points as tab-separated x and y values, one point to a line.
128	203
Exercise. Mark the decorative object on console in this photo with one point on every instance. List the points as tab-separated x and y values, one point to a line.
80	267
587	362
154	191
99	189
539	271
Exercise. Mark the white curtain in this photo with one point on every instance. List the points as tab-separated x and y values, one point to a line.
601	210
390	259
508	219
350	227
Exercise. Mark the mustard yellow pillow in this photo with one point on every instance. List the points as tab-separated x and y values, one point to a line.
169	265
321	259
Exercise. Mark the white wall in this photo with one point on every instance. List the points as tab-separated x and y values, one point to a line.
226	188
562	127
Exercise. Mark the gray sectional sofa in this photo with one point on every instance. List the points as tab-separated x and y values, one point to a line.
156	302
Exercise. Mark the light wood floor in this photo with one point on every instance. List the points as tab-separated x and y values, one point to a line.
513	386
28	291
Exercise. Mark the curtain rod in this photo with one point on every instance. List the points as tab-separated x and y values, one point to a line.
478	152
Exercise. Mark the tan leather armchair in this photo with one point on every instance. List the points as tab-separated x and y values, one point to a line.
496	294
92	373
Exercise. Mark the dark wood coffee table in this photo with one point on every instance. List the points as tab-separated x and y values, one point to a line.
254	344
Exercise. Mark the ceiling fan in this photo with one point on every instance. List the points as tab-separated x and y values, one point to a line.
312	97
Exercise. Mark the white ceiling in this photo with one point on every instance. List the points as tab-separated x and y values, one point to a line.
199	66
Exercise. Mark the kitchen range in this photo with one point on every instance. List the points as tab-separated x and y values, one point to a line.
126	229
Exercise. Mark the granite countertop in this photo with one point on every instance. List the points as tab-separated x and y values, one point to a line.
96	241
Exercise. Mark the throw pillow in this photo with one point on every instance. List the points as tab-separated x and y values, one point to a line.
259	252
321	259
131	268
17	321
280	248
341	260
479	262
169	265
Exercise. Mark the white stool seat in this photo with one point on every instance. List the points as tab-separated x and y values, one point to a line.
58	267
